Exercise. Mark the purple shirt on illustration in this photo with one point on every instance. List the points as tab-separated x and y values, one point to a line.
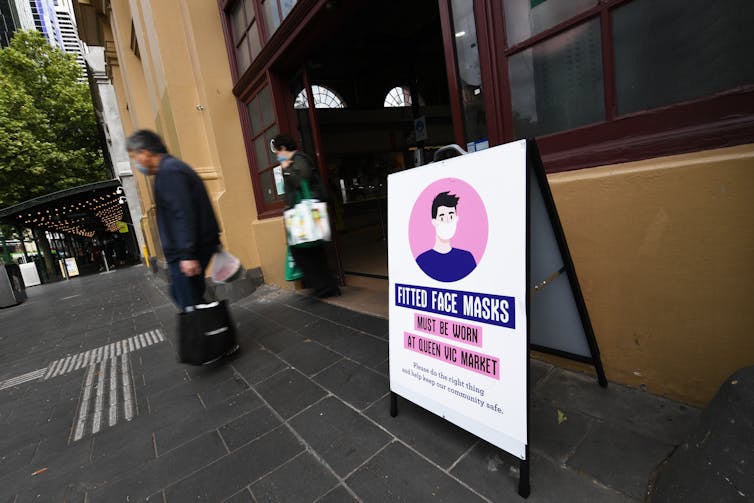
446	267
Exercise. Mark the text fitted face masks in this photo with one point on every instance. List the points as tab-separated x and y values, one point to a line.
282	158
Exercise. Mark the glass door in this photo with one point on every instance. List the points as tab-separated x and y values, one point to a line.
307	134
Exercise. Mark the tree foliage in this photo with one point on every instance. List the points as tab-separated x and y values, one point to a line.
48	133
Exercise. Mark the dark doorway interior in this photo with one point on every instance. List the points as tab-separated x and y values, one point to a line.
367	50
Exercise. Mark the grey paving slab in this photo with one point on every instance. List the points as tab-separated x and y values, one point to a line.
302	480
309	357
114	452
383	368
288	316
258	364
243	496
539	370
337	495
321	309
366	349
398	474
222	478
172	434
421	430
495	475
632	457
555	432
354	383
221	392
248	427
289	392
278	340
654	416
152	476
339	435
370	324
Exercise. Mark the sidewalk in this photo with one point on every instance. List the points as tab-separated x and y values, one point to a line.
300	414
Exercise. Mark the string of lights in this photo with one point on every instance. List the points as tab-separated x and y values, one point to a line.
83	211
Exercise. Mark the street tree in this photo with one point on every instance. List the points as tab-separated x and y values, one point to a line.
49	139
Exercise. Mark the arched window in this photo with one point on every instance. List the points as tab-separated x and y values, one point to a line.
398	97
323	98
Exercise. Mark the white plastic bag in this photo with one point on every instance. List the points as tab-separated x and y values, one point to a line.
307	222
225	267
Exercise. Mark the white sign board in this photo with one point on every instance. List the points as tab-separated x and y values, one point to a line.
30	274
457	256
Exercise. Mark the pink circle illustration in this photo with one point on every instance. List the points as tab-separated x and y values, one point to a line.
470	235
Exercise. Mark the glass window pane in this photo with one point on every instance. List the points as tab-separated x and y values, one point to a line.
255	114
469	73
557	84
286	6
249	7
269	135
237	21
526	18
242	56
271	16
268	109
261	147
677	50
269	191
256	46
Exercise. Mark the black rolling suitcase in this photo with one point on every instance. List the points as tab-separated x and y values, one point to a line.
206	333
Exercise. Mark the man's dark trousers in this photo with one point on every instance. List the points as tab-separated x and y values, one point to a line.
188	291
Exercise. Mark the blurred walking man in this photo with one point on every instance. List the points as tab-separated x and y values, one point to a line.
185	218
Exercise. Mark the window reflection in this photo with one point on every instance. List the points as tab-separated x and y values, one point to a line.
557	84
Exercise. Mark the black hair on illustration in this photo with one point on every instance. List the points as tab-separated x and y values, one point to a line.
444	199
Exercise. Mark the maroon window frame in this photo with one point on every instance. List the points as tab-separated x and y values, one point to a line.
258	131
723	119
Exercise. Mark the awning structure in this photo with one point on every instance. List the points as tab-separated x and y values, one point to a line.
83	211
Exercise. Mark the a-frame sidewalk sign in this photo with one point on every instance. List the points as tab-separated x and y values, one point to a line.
480	273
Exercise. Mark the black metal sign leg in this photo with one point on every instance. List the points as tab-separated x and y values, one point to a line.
523	476
601	378
393	404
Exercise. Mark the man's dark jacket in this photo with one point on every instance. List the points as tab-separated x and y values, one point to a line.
185	218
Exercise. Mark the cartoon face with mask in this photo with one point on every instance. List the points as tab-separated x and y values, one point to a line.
443	262
445	223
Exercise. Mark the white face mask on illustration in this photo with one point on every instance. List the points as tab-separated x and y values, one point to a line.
446	230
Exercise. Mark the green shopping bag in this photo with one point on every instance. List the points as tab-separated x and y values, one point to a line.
292	271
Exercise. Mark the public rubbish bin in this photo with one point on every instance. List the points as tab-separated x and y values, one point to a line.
12	289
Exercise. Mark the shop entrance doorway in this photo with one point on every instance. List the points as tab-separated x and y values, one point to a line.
378	83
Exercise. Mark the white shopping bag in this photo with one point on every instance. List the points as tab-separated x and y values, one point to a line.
307	222
225	267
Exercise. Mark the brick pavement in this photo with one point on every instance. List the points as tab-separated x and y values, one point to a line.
300	414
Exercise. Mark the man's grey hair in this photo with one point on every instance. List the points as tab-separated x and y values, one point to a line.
145	139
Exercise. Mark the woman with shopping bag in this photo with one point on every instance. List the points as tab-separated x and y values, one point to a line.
307	224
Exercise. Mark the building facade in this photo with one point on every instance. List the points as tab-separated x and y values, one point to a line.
14	15
108	116
46	22
69	34
642	110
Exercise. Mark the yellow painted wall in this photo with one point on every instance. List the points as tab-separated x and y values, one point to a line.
271	238
180	85
664	251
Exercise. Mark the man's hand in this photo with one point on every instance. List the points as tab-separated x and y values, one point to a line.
286	164
190	267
